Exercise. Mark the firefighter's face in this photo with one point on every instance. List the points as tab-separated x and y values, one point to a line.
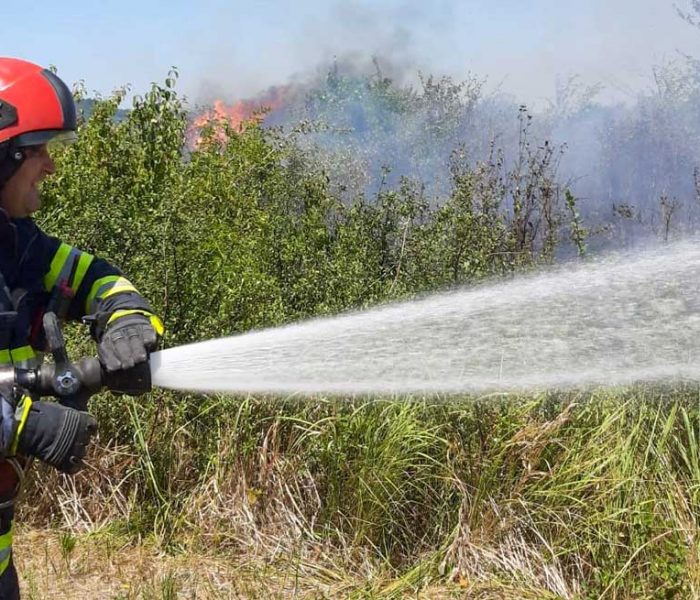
20	194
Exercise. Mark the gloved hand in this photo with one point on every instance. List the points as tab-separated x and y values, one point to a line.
126	342
57	435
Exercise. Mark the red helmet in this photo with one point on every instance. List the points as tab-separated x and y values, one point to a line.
35	105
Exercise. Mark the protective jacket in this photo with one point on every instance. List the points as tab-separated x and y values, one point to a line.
40	273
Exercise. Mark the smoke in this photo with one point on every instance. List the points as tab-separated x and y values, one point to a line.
520	48
633	166
611	84
311	37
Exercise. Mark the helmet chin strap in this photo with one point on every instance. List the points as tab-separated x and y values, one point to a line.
11	159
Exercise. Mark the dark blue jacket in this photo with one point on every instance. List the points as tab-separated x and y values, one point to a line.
42	273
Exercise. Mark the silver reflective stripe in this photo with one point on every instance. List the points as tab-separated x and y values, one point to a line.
31	363
5	557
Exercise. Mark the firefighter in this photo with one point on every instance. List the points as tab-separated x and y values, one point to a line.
39	273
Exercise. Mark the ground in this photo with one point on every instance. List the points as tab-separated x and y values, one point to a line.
59	566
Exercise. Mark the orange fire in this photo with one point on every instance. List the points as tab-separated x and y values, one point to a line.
238	114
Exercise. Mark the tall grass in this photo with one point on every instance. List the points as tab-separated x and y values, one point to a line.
565	496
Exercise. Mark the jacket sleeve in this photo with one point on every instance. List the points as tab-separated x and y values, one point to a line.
93	286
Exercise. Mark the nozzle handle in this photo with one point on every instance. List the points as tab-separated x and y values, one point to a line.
55	339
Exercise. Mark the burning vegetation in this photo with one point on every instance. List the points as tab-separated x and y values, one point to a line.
234	117
368	133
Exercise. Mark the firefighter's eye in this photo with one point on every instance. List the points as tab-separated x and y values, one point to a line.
34	151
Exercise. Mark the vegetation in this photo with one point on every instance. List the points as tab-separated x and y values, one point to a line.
586	495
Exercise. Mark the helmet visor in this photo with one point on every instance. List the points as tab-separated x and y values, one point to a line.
53	136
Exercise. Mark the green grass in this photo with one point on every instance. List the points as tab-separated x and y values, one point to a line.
588	495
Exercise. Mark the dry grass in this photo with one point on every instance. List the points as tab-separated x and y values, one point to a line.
54	565
99	567
554	500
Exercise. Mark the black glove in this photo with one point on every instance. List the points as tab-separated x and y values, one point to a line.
57	435
126	342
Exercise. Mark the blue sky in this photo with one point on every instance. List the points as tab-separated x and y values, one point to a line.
235	49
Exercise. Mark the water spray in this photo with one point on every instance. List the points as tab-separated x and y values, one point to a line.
617	321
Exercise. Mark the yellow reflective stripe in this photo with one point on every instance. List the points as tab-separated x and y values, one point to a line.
123	285
26	405
103	281
6	538
62	265
57	263
156	323
83	264
24	357
22	354
5	549
106	287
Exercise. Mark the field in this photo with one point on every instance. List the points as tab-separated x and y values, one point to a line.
580	495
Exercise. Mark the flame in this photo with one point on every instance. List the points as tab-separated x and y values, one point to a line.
240	113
